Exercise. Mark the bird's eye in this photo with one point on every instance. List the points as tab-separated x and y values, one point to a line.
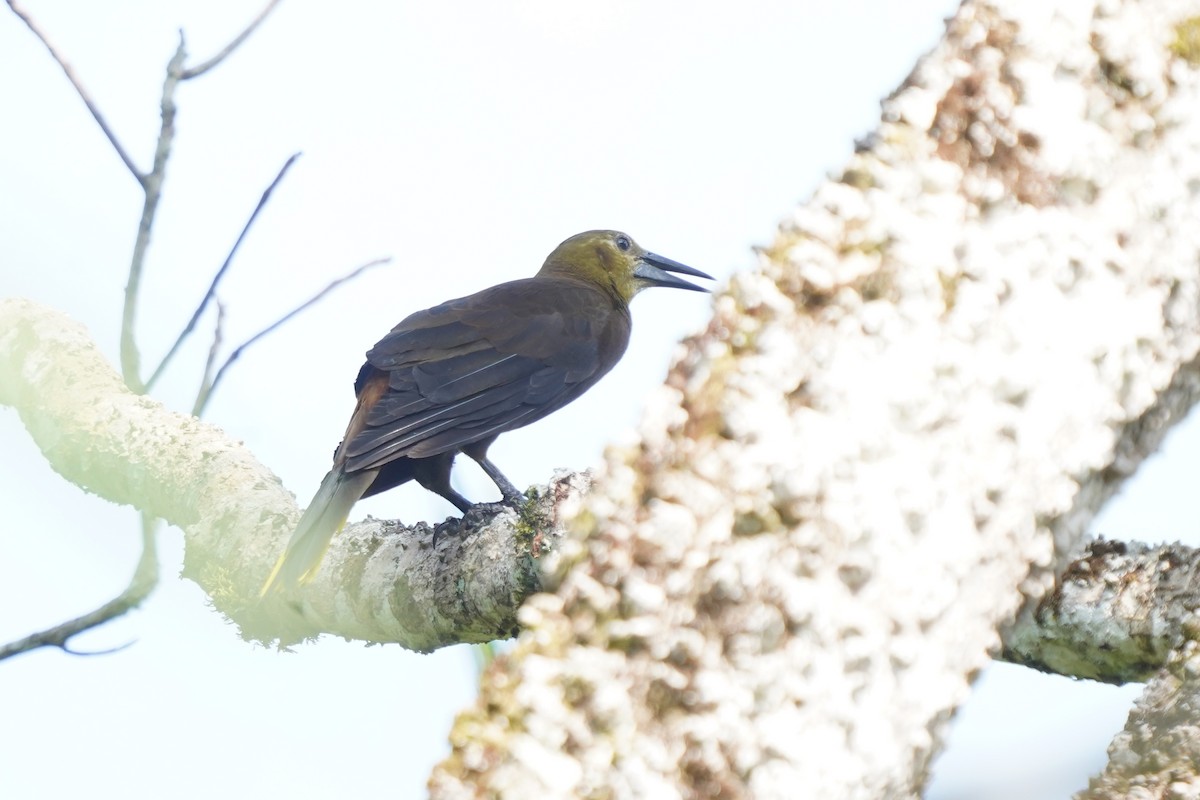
623	243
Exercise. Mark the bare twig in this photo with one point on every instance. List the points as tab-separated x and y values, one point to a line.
146	575
212	287
197	71
145	578
152	184
83	94
202	401
207	382
108	651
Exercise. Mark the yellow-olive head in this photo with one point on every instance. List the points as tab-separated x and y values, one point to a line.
618	264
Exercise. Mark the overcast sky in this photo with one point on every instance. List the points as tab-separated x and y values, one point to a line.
464	140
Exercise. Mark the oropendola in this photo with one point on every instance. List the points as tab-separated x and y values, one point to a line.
452	378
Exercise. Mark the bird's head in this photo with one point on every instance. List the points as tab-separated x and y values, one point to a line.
618	264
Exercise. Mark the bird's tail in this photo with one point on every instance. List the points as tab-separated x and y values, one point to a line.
323	518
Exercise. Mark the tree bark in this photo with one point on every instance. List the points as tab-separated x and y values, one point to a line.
890	436
1116	615
1155	756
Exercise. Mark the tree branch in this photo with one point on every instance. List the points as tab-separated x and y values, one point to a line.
145	578
83	93
1157	752
207	390
380	582
152	185
214	348
885	442
1117	614
212	287
152	181
197	71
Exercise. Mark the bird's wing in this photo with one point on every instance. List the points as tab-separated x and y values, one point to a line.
472	368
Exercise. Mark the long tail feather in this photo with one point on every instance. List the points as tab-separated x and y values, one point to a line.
324	517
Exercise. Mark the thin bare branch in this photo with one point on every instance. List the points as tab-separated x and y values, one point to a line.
210	362
108	651
212	287
83	93
152	184
197	71
145	578
237	353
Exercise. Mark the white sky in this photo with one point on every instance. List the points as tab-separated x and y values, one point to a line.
465	140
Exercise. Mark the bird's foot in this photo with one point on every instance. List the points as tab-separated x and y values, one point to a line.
474	515
480	510
447	528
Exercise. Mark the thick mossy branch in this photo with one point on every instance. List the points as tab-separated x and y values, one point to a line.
890	438
1116	615
381	582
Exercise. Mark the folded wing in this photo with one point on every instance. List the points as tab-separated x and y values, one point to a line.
472	368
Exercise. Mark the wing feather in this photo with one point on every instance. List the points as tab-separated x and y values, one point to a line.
472	368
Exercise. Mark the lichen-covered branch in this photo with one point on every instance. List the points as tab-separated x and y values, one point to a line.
381	582
886	440
1155	756
1117	614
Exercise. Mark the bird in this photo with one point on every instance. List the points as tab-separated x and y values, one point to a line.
452	378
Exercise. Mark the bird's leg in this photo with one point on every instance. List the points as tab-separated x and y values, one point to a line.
460	502
511	496
478	451
433	473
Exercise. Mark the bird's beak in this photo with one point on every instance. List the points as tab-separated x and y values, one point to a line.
655	270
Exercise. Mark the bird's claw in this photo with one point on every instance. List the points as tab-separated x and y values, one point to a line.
477	511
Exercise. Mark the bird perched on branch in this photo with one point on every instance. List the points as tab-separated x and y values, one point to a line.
452	378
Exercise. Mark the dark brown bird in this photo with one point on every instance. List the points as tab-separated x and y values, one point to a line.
452	378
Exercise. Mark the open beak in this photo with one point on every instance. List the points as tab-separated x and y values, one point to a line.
655	270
